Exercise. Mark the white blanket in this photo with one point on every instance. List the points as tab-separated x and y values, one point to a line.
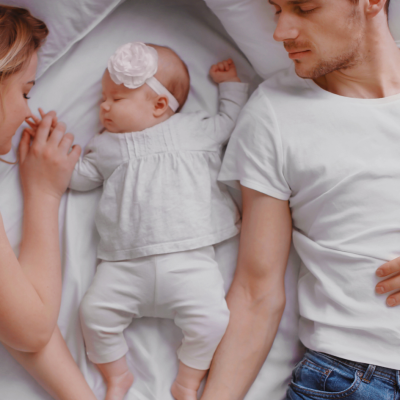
72	88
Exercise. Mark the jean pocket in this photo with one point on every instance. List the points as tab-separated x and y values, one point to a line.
319	382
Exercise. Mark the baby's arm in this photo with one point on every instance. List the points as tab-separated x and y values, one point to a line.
233	95
86	175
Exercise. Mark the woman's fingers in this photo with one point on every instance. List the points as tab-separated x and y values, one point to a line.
57	134
75	154
66	143
43	130
24	145
33	125
389	268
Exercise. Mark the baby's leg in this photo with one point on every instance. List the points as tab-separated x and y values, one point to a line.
187	382
192	287
113	299
118	378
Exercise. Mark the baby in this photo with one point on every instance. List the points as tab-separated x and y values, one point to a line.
161	212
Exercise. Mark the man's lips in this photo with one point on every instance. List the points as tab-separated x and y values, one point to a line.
296	55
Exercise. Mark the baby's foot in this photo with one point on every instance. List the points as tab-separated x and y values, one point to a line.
182	393
117	386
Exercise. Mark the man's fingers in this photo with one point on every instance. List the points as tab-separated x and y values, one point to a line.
388	285
389	268
393	300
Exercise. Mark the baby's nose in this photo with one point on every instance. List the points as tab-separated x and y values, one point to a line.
105	106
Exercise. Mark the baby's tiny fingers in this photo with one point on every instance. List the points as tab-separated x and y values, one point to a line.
227	65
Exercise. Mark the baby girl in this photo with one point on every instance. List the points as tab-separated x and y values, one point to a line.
161	212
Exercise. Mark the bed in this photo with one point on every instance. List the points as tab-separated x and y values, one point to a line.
84	33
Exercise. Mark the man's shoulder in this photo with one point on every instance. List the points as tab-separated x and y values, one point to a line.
284	84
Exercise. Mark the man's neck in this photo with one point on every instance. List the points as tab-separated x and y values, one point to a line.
377	75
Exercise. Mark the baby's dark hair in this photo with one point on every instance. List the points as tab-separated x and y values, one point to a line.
174	73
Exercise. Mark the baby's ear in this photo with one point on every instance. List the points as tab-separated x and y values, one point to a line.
161	106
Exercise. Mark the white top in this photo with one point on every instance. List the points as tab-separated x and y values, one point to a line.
337	160
161	193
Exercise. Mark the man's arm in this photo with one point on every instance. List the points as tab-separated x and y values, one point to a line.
256	298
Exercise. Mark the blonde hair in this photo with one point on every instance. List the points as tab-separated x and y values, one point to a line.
21	35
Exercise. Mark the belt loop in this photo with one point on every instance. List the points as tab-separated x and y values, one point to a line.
398	378
368	373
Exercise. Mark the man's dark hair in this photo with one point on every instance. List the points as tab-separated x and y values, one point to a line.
386	5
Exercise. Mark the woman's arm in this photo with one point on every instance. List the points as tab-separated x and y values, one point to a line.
30	287
256	298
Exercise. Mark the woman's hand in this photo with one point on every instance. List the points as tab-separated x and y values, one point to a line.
47	163
391	283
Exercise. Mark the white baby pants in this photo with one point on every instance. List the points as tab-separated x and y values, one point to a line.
186	287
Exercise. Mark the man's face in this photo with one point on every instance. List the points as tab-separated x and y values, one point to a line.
321	36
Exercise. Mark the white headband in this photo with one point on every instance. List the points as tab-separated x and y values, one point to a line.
135	64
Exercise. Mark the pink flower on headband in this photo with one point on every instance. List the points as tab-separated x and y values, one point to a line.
132	64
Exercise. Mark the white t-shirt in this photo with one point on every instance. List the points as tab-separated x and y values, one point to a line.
337	161
160	192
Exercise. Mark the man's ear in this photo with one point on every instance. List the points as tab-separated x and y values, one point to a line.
161	106
374	7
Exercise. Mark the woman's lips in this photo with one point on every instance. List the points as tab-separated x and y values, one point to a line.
299	54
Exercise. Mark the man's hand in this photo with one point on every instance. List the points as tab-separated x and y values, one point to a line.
389	284
224	71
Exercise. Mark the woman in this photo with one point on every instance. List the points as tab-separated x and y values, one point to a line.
30	286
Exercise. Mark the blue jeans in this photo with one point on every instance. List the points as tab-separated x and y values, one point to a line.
320	376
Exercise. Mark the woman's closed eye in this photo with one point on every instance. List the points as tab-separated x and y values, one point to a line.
26	96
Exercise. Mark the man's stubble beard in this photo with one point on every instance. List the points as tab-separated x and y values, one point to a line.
324	67
349	59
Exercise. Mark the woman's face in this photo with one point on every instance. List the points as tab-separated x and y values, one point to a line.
14	108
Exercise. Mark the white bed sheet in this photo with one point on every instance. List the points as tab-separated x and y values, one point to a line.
72	87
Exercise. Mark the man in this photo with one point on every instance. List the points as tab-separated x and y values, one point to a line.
319	146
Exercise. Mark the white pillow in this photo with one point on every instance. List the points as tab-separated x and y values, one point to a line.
251	24
68	21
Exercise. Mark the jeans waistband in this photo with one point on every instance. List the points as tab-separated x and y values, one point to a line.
367	369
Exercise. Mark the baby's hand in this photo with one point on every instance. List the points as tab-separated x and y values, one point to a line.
224	71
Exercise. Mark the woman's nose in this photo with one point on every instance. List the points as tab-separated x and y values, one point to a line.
28	113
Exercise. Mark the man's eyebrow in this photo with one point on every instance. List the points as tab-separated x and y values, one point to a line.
291	2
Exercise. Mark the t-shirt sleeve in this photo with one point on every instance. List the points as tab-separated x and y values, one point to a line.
254	157
86	175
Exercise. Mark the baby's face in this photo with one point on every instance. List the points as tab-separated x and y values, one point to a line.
125	110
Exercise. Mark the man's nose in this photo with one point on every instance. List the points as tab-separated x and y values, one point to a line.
286	29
